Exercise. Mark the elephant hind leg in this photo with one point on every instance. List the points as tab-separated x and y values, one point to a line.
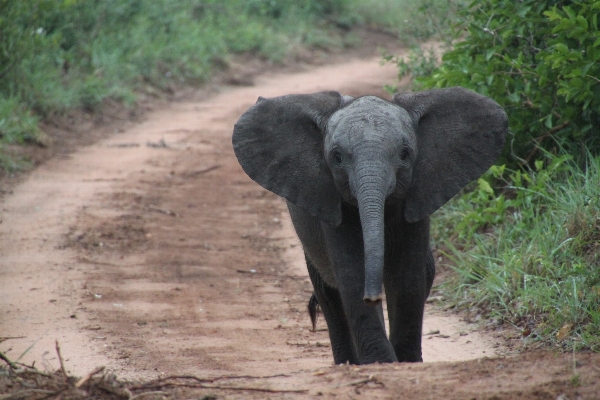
330	301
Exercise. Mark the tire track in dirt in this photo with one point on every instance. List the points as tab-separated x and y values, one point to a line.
152	253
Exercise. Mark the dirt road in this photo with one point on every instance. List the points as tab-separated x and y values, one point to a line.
152	253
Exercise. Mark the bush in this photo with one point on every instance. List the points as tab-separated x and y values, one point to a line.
541	61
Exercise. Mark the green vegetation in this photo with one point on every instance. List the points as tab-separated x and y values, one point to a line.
524	242
58	55
412	21
528	252
539	59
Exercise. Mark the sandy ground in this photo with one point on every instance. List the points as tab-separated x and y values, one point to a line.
152	253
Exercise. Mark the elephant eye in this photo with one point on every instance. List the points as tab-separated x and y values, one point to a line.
336	156
404	154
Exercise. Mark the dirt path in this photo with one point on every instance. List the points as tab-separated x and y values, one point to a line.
152	253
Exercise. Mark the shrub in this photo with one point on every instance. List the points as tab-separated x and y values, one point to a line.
541	61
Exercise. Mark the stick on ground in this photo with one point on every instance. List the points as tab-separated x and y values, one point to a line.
62	363
86	378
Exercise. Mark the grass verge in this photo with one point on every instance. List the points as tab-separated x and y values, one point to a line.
525	249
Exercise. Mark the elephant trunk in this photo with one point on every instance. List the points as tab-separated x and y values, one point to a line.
373	187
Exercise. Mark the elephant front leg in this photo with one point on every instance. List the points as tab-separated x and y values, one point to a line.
331	304
365	323
408	279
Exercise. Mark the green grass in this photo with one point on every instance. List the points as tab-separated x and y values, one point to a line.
413	21
528	252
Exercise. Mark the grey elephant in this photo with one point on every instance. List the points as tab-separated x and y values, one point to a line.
361	177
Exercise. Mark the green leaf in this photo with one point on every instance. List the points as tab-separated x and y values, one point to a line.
552	15
561	48
570	13
548	121
539	164
582	22
484	186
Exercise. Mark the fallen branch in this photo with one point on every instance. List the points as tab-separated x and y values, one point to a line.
86	378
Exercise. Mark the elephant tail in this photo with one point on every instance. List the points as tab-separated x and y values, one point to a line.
313	310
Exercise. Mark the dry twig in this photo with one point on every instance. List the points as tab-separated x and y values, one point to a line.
62	362
4	338
86	378
371	378
6	360
139	396
255	389
538	141
204	170
163	211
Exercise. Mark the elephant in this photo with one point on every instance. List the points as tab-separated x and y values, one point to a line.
361	176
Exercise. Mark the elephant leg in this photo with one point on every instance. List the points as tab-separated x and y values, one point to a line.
331	305
430	272
407	280
366	323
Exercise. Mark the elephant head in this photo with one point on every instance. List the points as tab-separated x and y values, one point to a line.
319	150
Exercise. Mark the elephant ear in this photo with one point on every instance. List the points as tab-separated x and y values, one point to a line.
279	144
459	136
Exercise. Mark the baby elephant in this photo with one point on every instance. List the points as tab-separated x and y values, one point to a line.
361	177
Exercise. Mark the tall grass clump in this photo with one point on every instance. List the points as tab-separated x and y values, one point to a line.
525	248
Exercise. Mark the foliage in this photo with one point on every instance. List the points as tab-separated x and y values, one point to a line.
528	252
412	21
420	62
540	61
61	54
